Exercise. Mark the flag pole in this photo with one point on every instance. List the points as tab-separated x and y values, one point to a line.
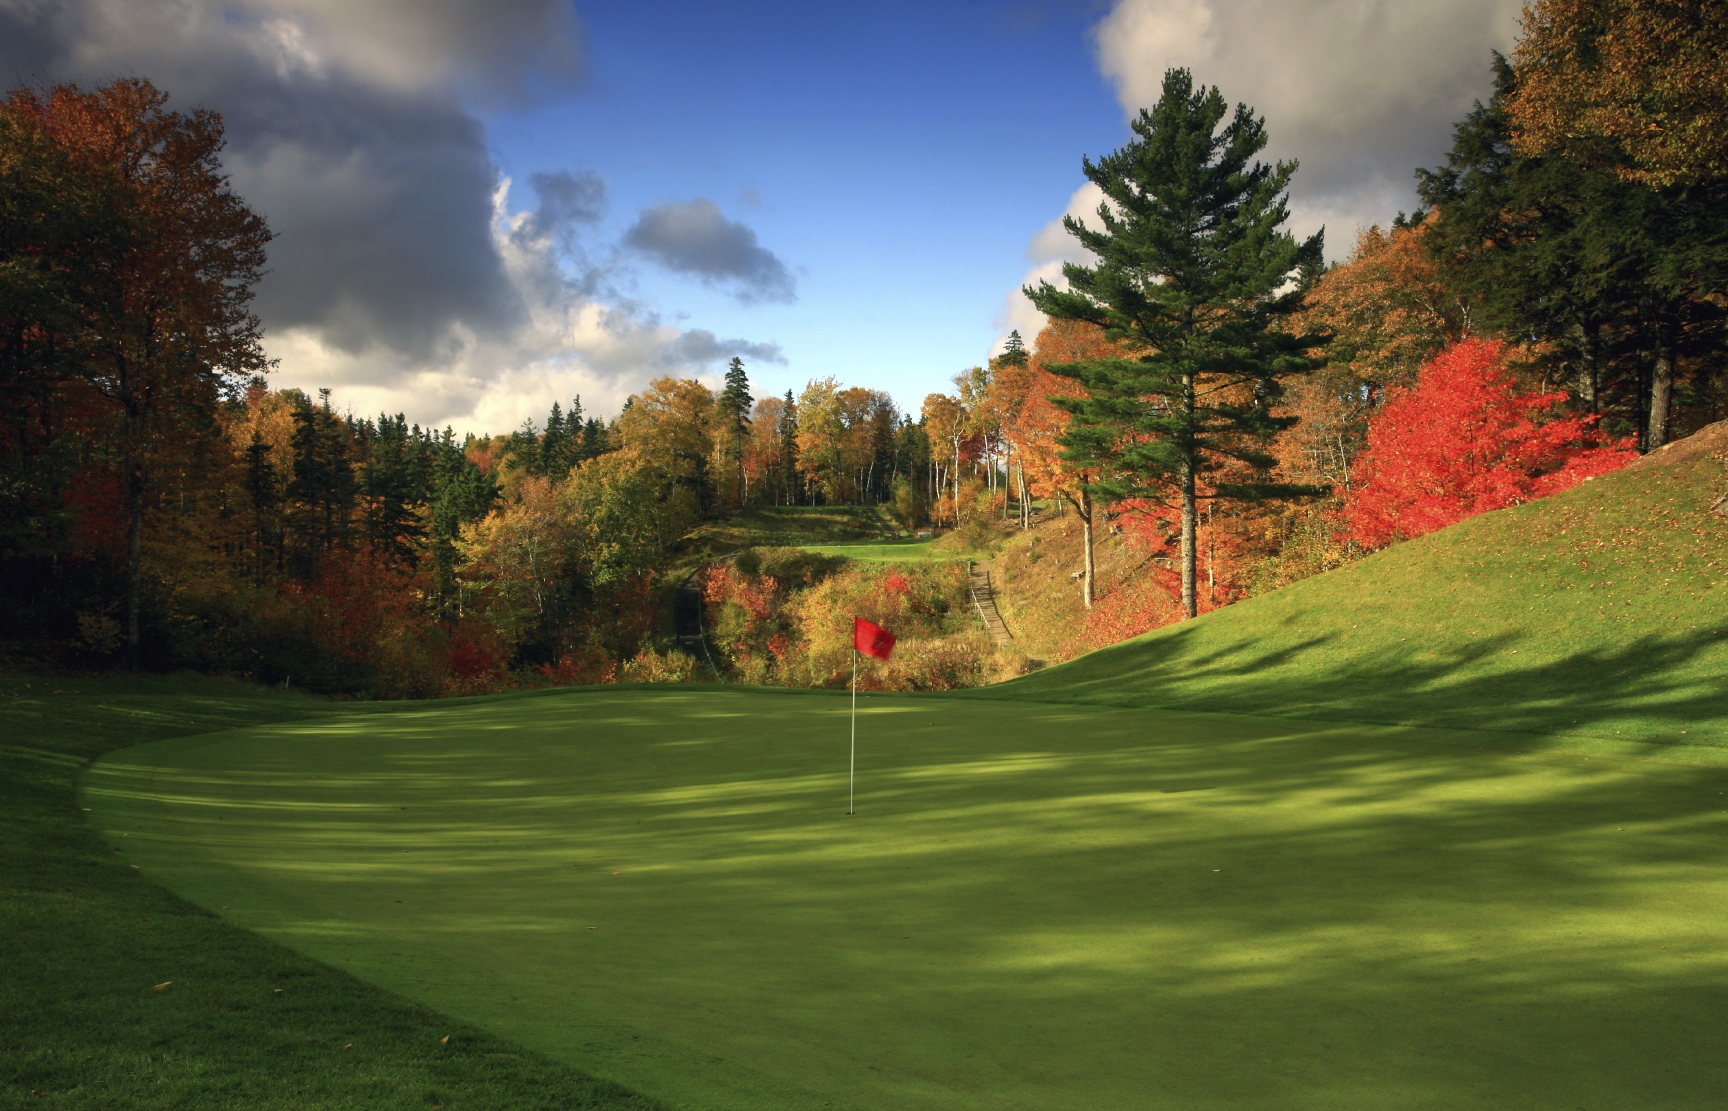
852	764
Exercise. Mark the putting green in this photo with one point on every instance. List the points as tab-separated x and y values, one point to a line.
1036	906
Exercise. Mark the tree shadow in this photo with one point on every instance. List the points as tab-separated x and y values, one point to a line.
1036	905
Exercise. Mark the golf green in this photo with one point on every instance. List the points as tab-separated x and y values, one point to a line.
1035	906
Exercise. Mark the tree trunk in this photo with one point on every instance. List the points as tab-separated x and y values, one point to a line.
1661	395
134	554
1189	606
1190	463
1083	509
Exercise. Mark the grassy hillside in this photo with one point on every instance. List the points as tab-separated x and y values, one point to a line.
86	938
1602	611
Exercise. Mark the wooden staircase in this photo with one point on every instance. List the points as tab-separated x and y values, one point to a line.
984	602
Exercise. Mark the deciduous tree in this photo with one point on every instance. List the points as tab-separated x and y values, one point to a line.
1465	439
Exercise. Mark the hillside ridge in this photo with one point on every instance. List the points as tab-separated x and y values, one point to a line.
1600	611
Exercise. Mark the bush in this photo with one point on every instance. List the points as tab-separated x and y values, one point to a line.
650	666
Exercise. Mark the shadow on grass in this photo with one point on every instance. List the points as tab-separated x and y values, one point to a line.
1651	688
1060	907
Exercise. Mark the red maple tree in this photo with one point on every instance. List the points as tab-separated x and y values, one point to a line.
1466	440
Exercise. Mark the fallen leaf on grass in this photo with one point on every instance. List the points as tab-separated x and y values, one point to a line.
445	1040
276	991
162	985
350	1045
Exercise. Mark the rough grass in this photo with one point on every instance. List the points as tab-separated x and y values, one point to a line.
1603	611
1036	905
86	938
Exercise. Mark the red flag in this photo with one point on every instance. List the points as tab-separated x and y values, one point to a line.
872	640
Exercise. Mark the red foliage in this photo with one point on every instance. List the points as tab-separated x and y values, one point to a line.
895	585
476	652
584	668
1465	440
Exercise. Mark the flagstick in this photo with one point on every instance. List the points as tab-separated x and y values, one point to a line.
852	764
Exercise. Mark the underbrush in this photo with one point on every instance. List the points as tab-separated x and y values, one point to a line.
783	617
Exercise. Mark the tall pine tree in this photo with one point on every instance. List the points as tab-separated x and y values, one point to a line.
1194	275
732	411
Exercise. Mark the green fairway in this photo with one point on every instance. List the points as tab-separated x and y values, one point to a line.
888	551
1036	906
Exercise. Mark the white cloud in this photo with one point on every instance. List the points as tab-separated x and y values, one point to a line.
1049	250
568	344
398	276
1362	92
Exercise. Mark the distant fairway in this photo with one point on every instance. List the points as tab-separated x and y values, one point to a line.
1037	906
888	551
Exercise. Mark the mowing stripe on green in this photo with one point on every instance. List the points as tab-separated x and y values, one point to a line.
1037	906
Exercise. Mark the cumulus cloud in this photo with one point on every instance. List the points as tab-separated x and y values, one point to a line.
695	238
1361	92
397	275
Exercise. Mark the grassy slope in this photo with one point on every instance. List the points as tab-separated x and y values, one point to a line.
85	937
1036	906
1601	611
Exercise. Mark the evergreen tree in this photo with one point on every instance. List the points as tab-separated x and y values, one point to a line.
552	459
393	489
1013	352
1194	273
1615	276
266	502
460	493
732	423
594	438
323	485
789	448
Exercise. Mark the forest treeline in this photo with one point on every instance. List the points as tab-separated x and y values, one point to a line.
1207	390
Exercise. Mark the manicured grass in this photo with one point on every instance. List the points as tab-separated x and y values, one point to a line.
790	526
242	1022
890	551
1603	610
1036	905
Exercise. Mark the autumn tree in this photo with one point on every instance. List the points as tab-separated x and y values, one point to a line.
1041	419
669	426
165	328
1389	309
1621	281
1194	271
1642	77
821	435
1466	439
944	420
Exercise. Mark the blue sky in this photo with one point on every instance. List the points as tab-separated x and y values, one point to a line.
483	206
896	157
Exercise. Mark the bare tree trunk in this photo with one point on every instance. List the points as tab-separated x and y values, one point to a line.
1189	462
1085	508
1189	606
1661	395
